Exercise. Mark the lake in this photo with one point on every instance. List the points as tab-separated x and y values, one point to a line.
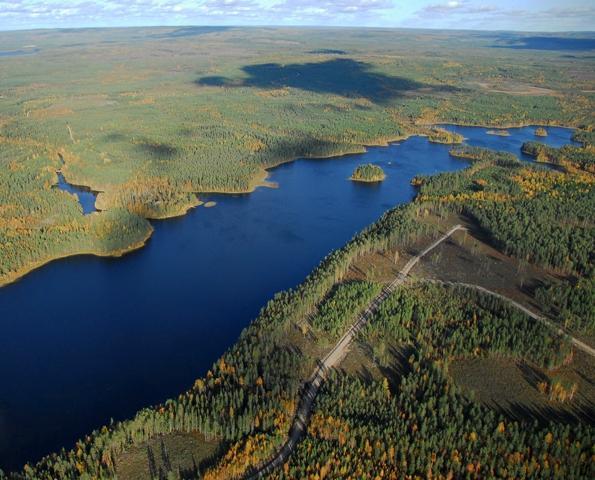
86	339
18	53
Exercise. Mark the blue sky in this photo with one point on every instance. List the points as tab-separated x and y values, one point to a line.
529	15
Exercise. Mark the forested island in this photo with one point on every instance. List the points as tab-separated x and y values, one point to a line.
368	173
476	358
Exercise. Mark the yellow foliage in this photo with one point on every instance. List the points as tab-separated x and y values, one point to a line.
328	428
51	112
273	92
481	195
558	391
534	181
240	457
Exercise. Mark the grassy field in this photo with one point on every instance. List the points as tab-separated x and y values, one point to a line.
149	117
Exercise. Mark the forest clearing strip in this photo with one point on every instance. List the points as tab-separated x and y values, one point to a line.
333	358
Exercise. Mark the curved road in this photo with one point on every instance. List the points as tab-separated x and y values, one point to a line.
547	322
333	358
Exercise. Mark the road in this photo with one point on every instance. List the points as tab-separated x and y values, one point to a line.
332	359
546	321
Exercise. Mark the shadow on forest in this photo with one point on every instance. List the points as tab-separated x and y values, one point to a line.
532	375
580	412
143	145
582	57
547	43
160	466
340	76
298	145
327	51
398	366
158	150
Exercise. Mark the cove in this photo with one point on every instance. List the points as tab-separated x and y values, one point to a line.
85	197
86	339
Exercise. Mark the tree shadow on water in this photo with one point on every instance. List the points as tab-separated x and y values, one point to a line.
340	76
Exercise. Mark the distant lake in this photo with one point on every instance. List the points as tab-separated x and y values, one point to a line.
18	53
86	339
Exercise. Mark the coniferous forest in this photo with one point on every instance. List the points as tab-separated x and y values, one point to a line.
444	380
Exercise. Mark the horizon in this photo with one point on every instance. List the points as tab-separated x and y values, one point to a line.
546	16
322	27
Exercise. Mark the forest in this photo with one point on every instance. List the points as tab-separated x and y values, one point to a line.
209	111
412	419
368	173
38	221
567	156
368	440
184	116
572	303
538	215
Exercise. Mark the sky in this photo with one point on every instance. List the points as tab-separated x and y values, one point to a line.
525	15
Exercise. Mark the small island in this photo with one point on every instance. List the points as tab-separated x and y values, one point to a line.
368	173
540	132
440	135
499	132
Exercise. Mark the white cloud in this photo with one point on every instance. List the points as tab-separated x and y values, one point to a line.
503	15
456	7
330	8
195	10
489	14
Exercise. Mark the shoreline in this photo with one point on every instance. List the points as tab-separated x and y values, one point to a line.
360	180
258	182
26	269
502	126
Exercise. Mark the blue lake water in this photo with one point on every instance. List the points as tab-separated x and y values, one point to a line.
85	339
85	197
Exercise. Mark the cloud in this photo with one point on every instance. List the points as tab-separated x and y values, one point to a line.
456	7
586	12
488	14
329	8
58	12
234	8
472	14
